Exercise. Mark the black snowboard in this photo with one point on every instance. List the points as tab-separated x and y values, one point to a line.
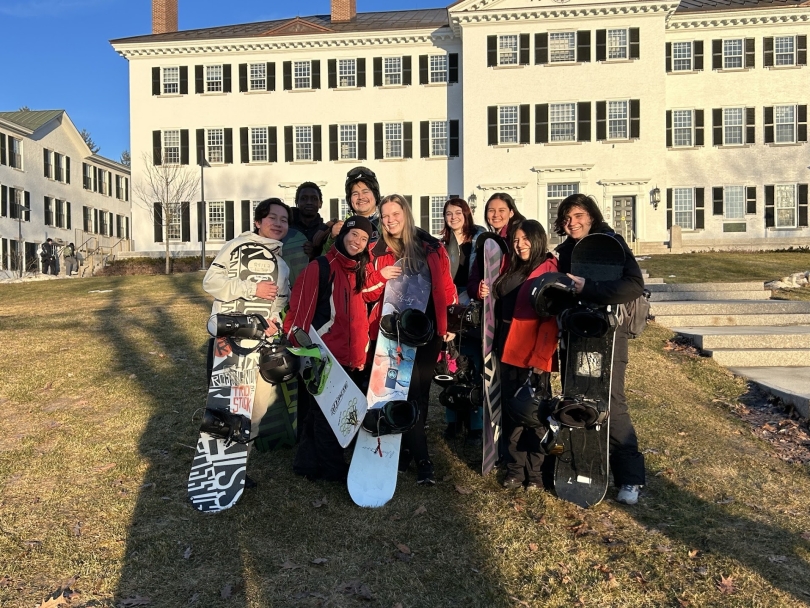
581	473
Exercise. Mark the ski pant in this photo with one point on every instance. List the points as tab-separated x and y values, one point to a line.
524	457
414	442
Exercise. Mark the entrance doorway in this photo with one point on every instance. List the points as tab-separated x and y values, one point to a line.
624	217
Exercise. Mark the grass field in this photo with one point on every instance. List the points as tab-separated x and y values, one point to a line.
101	380
726	266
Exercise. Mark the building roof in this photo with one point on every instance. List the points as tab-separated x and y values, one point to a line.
31	119
689	6
433	18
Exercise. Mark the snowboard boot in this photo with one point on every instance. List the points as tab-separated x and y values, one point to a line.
424	475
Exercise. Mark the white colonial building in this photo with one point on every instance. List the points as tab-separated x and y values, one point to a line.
53	186
686	121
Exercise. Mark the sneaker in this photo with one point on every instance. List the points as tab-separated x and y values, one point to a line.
249	483
512	483
534	486
424	475
628	494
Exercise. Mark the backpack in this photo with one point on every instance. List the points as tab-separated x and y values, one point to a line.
69	251
324	291
634	315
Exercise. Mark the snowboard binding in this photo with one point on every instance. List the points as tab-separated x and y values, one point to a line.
580	412
552	293
233	428
461	317
587	322
393	418
235	327
411	327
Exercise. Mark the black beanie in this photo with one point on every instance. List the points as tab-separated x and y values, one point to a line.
362	174
358	222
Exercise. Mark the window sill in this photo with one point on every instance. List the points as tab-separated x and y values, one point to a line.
509	146
511	66
259	163
732	70
443	157
392	160
733	146
213	94
561	64
347	160
309	90
617	61
257	92
303	162
169	95
617	141
564	143
776	144
787	228
678	148
683	72
444	83
392	86
346	88
785	67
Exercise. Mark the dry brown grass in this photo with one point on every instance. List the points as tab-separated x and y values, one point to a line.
98	393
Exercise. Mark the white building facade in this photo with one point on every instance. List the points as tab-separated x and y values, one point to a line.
690	115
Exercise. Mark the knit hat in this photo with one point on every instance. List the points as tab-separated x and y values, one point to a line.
367	176
357	222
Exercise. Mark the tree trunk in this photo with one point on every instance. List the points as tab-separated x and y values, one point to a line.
168	267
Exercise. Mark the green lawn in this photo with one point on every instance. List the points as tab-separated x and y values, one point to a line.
726	266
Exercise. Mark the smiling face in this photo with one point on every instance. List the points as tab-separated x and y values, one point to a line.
454	217
392	218
308	202
362	200
355	241
498	214
578	223
275	224
522	245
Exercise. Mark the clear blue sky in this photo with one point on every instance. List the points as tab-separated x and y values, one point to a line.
55	54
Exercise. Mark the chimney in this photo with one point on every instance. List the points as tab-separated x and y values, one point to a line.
344	10
164	16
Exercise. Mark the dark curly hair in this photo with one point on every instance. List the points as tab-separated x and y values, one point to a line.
577	200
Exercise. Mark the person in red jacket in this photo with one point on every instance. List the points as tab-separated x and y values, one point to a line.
340	317
403	241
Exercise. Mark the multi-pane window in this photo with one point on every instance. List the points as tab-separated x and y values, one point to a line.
258	77
48	158
216	221
784	48
171	81
785	123
617	44
171	147
732	54
438	68
215	145
681	56
303	143
87	177
556	194
393	139
14	152
104	228
60	214
438	138
508	49
562	46
347	143
258	144
392	71
102	181
683	207
734	202
508	124
347	73
617	120
733	126
785	202
562	121
213	78
302	74
343	208
58	167
437	214
682	127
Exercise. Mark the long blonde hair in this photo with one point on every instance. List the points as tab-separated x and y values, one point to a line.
407	247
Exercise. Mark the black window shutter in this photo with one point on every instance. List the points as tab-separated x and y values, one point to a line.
272	137
583	46
635	43
669	208
376	64
407	137
361	72
492	125
226	78
406	70
155	81
698	54
601	120
669	128
492	51
271	76
286	68
246	216
584	121
525	123
540	49
158	222
67	169
228	146
769	207
199	82
200	142
334	207
424	213
316	74
717	54
244	145
85	179
378	140
156	149
801	50
362	142
288	145
229	220
767	121
717	126
48	218
317	148
184	146
801	111
333	142
601	45
635	119
523	55
95	179
669	57
455	144
767	53
803	205
243	81
699	128
423	69
68	224
541	123
750	53
46	164
424	138
717	200
2	148
184	80
3	201
331	73
185	223
452	68
751	199
750	120
200	220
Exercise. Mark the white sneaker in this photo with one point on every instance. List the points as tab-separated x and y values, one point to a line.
628	495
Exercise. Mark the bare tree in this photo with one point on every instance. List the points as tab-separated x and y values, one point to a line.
166	191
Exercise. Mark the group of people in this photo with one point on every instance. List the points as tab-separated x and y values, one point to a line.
369	248
50	258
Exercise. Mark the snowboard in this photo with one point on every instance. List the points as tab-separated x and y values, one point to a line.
373	471
582	467
491	249
217	476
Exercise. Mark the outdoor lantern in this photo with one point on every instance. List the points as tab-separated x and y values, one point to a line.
471	200
655	197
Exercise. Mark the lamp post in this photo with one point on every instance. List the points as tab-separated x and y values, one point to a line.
20	243
203	165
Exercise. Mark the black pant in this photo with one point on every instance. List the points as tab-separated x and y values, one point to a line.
524	458
414	442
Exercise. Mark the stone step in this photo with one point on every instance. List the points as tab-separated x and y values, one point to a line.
761	357
745	286
653	281
731	307
793	336
668	296
791	384
731	319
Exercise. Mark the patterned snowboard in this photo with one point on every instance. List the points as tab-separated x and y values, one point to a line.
581	473
373	470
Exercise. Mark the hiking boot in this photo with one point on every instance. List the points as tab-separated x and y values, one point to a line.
628	494
424	474
451	431
534	486
249	483
512	483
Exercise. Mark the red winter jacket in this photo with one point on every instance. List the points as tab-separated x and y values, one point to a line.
344	326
